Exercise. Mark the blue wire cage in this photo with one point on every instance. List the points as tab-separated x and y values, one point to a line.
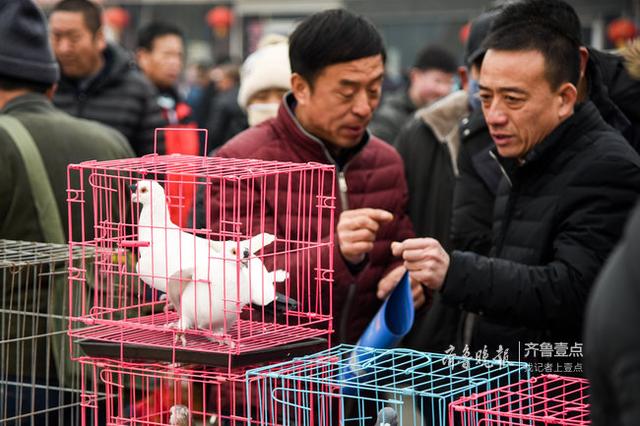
358	386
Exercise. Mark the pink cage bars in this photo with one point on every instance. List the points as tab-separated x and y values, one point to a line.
125	393
543	400
200	255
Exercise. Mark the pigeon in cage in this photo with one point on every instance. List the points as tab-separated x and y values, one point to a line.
166	249
387	417
211	297
179	415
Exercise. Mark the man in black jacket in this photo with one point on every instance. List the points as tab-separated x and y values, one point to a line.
603	80
569	183
160	56
612	342
428	145
99	81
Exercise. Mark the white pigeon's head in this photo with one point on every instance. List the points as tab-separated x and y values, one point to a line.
231	250
144	190
179	415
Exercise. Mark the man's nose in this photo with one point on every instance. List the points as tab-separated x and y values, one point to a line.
494	115
362	105
63	46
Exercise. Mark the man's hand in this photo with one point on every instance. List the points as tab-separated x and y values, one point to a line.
425	259
391	280
357	230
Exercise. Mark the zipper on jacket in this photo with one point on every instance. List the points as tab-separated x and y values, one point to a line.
344	190
504	172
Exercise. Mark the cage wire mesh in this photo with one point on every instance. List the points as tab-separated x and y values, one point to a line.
543	400
38	383
249	270
166	394
349	385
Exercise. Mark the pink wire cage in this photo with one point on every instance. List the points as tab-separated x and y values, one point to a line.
154	394
256	250
542	400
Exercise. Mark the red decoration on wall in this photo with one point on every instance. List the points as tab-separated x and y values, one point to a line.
220	18
116	17
620	30
464	33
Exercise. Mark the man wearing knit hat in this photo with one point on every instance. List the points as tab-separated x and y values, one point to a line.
265	77
28	75
37	142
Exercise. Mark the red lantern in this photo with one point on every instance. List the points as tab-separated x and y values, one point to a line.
620	30
116	17
220	18
464	33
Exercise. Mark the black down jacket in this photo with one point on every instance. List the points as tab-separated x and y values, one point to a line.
613	91
120	96
611	341
557	218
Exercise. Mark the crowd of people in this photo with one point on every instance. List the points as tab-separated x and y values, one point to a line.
504	199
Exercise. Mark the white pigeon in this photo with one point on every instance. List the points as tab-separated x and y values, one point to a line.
179	415
211	298
262	282
166	248
387	416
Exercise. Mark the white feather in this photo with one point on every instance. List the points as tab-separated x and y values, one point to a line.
215	297
179	415
169	249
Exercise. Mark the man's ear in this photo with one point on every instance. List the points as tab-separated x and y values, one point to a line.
51	91
414	73
463	74
100	40
584	58
301	89
568	95
142	58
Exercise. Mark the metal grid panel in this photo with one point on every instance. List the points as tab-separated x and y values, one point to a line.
543	400
197	166
166	394
38	384
350	385
243	199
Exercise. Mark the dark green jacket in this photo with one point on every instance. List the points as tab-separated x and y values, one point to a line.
62	140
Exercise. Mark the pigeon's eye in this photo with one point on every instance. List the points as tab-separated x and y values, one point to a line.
143	190
233	251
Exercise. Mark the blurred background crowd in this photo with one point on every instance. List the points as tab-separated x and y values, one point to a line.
424	42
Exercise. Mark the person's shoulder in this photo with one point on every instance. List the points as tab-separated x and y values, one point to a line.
135	80
103	137
414	135
379	153
126	76
604	158
608	143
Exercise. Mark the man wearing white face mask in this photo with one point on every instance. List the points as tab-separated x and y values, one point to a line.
264	79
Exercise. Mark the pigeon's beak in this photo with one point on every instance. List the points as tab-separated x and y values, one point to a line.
134	194
245	257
